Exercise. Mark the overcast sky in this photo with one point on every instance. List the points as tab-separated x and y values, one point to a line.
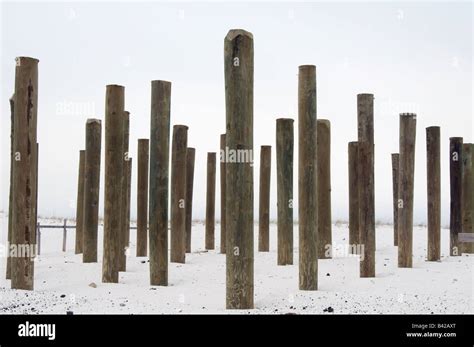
414	57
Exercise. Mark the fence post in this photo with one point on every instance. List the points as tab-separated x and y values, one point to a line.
323	148
64	235
210	200
190	155
80	203
395	180
455	170
122	258
433	176
264	199
142	197
222	176
354	237
467	197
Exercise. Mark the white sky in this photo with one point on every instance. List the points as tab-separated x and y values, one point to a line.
415	57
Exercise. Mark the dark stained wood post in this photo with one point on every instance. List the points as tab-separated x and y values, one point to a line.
159	174
80	202
128	173
142	197
307	180
178	194
405	188
238	69
91	190
467	197
210	200
284	158
223	195
433	176
365	124
455	171
122	259
24	169
264	199
10	197
190	157
395	167
353	153
324	188
114	108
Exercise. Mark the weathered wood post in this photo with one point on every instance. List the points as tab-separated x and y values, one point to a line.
91	190
190	157
122	259
10	197
129	166
455	171
159	173
307	180
264	199
210	200
114	108
24	169
324	188
353	154
64	234
284	158
433	176
365	121
142	198
223	195
238	68
395	167
178	194
80	203
405	188
467	198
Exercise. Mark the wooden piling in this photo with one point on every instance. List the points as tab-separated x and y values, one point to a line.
405	188
80	203
210	200
24	169
121	260
264	199
238	71
467	196
91	190
190	157
159	173
307	180
353	154
324	188
128	190
455	171
178	194
223	195
10	196
395	167
142	197
284	158
433	176
114	109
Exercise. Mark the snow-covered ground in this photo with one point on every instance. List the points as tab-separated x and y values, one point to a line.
63	283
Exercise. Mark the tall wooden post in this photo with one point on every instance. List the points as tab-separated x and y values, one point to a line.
405	188
467	197
307	180
264	199
91	190
433	176
210	200
178	193
114	108
365	121
353	154
128	189
238	71
159	173
190	157
223	195
395	175
324	188
10	197
24	169
123	182
455	171
284	158
80	202
142	198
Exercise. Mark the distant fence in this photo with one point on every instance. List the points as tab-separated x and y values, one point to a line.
64	227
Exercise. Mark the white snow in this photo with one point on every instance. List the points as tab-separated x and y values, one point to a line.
62	281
